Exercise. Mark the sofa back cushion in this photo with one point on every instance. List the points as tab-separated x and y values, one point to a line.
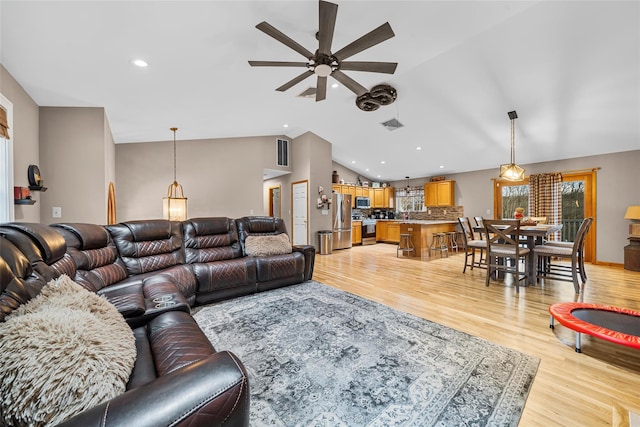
210	239
18	282
42	246
94	253
148	245
258	226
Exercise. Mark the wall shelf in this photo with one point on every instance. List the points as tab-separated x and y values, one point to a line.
24	202
36	188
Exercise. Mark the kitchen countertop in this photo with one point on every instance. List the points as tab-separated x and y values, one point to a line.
420	221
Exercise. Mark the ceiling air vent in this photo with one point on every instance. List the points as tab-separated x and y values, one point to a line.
392	124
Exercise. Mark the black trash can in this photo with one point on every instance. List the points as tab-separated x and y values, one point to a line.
325	238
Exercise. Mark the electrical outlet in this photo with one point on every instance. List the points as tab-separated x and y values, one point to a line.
488	211
445	211
56	212
251	212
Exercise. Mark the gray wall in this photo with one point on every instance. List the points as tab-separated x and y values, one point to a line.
218	184
220	177
26	145
617	187
76	162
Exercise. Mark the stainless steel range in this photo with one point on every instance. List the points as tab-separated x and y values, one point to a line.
368	231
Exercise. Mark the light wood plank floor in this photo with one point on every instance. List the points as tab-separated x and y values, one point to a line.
570	389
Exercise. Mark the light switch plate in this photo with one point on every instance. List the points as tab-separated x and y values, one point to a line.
56	212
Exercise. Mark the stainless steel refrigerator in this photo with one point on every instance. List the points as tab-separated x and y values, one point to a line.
341	204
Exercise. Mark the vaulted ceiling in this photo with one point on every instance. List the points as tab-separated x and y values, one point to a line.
571	70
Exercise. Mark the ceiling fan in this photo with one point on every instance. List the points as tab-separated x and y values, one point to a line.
323	62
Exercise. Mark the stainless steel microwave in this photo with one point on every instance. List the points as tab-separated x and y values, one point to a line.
362	203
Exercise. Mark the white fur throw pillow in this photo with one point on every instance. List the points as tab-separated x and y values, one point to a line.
65	351
277	244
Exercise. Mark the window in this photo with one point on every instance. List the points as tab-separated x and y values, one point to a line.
411	199
509	196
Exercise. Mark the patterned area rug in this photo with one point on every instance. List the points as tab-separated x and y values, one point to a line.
318	356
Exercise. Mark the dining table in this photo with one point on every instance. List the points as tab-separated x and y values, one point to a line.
535	235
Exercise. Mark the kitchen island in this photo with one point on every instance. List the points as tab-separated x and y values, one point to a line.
422	233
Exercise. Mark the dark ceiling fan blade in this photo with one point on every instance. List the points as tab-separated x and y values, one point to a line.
328	12
321	89
372	38
372	67
277	64
283	38
351	84
294	81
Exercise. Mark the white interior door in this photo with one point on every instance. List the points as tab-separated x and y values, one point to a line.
300	213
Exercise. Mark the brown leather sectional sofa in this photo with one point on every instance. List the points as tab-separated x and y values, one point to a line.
178	377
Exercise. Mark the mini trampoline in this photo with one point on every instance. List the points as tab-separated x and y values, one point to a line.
615	324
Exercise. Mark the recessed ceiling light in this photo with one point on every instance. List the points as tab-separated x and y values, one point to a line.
335	85
285	125
382	162
418	148
353	162
367	169
139	63
378	176
441	166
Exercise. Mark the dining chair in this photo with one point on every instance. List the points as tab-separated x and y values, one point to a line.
550	252
503	246
471	245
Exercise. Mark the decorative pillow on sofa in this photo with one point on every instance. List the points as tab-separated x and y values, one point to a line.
65	351
276	244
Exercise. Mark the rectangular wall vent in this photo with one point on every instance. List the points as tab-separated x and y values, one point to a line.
282	152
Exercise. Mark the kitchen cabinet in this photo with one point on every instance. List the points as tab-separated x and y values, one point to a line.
440	193
360	191
393	232
378	198
356	232
337	188
381	231
389	197
350	189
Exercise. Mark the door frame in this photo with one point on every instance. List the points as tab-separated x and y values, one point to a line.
271	206
293	207
589	177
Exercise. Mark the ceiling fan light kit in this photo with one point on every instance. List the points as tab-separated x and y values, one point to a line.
323	63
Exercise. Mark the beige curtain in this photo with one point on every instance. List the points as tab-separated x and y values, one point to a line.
4	124
545	197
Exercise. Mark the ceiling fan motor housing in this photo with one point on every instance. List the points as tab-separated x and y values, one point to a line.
379	95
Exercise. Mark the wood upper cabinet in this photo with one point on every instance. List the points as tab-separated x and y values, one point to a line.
389	197
337	188
378	198
440	193
349	189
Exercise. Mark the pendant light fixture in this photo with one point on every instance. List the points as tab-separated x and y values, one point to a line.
174	205
511	171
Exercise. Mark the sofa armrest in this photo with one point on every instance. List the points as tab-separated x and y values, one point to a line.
309	253
129	305
213	391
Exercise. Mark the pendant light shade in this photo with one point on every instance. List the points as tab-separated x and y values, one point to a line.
174	205
511	171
